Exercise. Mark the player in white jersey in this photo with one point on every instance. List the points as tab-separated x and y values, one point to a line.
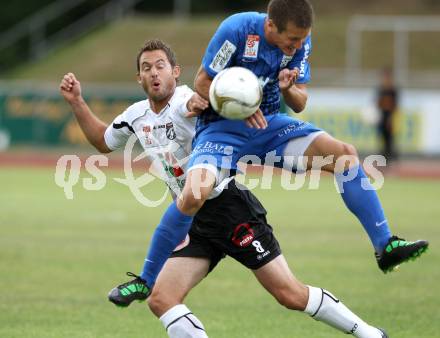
163	134
161	124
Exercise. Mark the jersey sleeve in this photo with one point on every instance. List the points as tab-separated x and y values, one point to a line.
185	94
180	110
118	132
301	61
222	47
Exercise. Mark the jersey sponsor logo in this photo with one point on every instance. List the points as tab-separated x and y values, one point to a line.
147	129
302	67
170	132
223	56
252	43
243	235
293	127
285	61
182	244
212	147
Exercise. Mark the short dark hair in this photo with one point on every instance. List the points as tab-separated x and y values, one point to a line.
299	12
156	44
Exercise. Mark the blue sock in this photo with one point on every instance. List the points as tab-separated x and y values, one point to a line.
172	229
362	200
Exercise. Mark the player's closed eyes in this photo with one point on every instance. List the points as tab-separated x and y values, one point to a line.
148	68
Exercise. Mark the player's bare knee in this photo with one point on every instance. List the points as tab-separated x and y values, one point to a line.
346	157
155	304
188	203
350	150
198	187
159	302
345	149
293	297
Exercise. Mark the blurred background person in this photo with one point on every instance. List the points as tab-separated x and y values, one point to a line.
387	103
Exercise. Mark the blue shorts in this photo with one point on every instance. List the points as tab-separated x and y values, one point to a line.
223	143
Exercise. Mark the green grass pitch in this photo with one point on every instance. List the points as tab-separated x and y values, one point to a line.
59	258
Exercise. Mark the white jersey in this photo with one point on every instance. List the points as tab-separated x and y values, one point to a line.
166	137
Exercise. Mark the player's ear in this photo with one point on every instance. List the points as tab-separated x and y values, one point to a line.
270	25
176	71
138	78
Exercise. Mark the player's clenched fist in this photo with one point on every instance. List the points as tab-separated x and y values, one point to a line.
287	78
195	105
70	87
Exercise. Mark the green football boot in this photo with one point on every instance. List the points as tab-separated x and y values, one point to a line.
398	251
136	289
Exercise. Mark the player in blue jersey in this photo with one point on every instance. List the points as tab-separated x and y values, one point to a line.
234	223
276	47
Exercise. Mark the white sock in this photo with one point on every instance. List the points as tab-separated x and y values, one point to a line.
325	307
181	323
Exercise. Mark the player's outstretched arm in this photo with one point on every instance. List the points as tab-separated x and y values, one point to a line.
294	94
196	105
92	127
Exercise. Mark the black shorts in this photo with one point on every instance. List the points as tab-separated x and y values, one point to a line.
232	224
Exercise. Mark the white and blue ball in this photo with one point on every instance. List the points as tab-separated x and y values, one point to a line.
235	93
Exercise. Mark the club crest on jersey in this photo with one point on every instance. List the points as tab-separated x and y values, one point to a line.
170	132
252	43
286	59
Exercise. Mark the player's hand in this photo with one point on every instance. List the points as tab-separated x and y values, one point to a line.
256	120
70	87
287	78
195	105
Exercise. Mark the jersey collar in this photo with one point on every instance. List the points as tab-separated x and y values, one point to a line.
149	110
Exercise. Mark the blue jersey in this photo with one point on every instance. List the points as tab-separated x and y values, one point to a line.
240	41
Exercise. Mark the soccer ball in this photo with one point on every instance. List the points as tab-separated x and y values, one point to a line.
235	93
